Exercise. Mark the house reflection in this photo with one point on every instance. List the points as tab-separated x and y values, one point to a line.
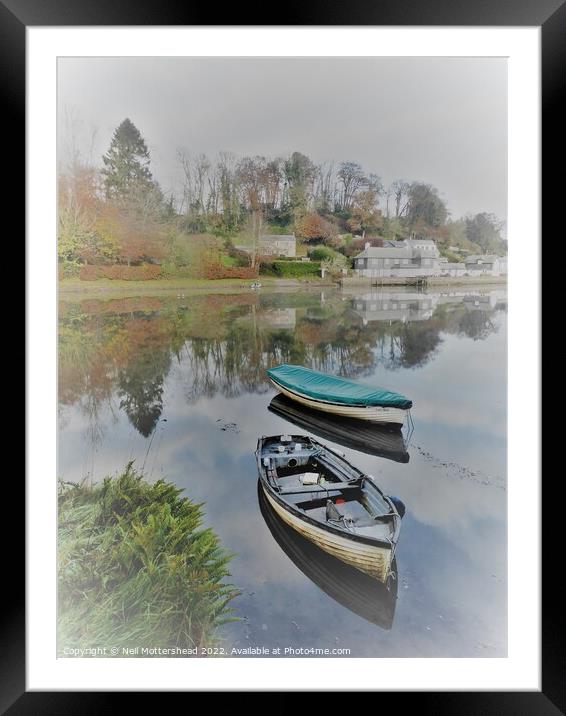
389	306
277	318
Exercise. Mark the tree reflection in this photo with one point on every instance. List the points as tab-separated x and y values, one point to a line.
140	389
121	352
476	325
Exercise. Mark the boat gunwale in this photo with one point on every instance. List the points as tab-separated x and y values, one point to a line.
361	406
351	536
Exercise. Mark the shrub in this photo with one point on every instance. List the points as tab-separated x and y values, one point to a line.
89	273
146	272
218	271
69	269
322	253
267	268
136	567
296	269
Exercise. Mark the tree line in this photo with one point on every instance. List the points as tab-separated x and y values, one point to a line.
118	213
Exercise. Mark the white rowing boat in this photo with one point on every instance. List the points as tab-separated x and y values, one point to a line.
333	504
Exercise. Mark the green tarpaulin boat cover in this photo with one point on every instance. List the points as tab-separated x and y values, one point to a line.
334	389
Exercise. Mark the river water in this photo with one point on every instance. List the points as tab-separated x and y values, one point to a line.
177	384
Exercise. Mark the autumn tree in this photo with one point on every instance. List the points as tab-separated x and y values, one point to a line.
313	228
352	178
325	187
250	171
228	190
399	192
365	216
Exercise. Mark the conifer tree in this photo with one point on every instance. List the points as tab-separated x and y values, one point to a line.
126	164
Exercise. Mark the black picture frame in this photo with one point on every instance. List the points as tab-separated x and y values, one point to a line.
15	16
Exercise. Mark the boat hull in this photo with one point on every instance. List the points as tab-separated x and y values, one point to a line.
373	560
385	441
367	597
375	413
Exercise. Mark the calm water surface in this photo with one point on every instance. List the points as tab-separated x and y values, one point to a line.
178	385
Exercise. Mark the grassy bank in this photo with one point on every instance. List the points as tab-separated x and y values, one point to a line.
74	286
136	568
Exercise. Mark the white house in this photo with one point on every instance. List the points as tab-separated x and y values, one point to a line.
420	257
448	268
412	257
486	264
277	245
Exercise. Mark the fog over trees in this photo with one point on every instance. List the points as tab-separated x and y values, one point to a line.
113	212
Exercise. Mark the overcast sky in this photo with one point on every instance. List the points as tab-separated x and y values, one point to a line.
438	120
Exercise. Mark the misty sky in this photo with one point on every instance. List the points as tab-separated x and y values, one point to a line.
438	120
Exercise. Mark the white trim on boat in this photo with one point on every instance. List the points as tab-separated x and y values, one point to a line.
375	413
371	559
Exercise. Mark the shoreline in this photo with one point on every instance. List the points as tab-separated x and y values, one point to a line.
74	288
364	282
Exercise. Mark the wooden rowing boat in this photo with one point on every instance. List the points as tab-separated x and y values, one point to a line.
339	396
363	595
371	438
330	502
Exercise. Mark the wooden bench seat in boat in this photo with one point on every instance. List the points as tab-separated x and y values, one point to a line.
327	487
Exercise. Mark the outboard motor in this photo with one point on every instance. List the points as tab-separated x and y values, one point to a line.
399	505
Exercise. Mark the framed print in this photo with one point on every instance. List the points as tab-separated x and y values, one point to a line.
283	313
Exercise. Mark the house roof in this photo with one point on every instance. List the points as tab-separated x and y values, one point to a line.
384	252
422	242
448	265
278	237
394	244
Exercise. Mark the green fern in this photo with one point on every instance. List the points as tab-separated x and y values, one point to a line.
136	567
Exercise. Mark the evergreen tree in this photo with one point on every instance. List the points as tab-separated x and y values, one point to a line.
485	230
300	174
425	207
126	165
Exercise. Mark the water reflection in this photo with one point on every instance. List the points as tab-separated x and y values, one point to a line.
179	386
369	438
127	347
368	598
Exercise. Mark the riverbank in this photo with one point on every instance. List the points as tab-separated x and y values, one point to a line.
363	282
70	288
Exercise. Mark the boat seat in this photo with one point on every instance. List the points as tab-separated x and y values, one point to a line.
327	487
370	521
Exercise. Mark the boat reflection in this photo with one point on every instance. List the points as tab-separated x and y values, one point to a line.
367	597
368	438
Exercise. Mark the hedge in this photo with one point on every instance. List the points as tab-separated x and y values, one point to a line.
217	271
146	272
292	269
